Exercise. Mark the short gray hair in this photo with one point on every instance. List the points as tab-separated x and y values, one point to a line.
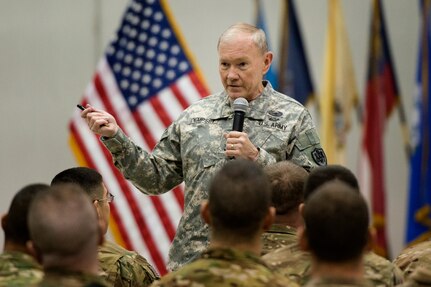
257	35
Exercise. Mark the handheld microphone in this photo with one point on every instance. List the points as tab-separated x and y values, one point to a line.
240	106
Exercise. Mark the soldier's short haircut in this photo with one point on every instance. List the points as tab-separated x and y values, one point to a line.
258	35
16	225
323	174
336	222
239	198
63	222
287	185
88	179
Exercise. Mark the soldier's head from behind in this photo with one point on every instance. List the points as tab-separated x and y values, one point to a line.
287	190
14	223
336	224
323	174
91	182
239	205
64	229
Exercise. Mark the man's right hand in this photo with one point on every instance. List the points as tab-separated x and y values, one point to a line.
100	122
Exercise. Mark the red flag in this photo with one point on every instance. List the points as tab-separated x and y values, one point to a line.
381	98
145	80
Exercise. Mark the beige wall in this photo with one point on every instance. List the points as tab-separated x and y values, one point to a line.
49	48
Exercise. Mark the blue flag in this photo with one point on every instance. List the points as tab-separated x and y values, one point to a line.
294	76
271	75
419	212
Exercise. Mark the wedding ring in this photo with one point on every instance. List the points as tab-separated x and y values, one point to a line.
232	146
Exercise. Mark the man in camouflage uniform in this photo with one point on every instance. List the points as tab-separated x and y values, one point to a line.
415	257
120	267
287	183
17	265
296	264
65	235
200	141
238	211
336	234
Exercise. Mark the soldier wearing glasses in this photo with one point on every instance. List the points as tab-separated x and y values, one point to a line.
120	267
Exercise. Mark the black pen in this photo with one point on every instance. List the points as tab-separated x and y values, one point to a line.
80	107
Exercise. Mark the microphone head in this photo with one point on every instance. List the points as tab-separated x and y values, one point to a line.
240	105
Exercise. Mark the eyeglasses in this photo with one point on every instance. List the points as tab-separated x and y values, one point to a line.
109	198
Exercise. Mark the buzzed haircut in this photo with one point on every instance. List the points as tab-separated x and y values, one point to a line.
239	198
16	225
88	179
258	35
287	185
323	174
336	222
63	221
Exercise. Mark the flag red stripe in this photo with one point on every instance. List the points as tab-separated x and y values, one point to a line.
203	91
179	195
161	111
179	96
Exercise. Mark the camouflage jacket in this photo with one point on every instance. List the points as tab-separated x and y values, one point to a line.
279	235
225	267
19	269
296	264
122	267
420	277
56	278
192	149
337	282
418	255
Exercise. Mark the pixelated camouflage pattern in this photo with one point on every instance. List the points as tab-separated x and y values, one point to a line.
225	267
279	235
414	257
122	267
192	150
296	264
56	278
420	277
19	269
337	282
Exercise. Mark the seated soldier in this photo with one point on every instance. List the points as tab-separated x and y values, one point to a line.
120	267
414	261
17	265
65	236
287	193
238	211
295	264
336	234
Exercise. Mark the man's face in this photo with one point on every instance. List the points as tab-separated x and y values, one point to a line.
242	66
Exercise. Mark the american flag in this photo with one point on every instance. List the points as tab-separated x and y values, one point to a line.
145	80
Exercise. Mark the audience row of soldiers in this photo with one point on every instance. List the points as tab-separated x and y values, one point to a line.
277	226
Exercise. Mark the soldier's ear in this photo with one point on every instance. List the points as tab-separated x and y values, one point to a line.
301	209
3	221
33	251
269	219
205	212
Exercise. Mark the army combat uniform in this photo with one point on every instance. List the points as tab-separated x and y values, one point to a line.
225	267
278	235
192	150
413	257
19	269
56	278
296	264
122	267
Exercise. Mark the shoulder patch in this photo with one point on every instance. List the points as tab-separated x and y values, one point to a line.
319	156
